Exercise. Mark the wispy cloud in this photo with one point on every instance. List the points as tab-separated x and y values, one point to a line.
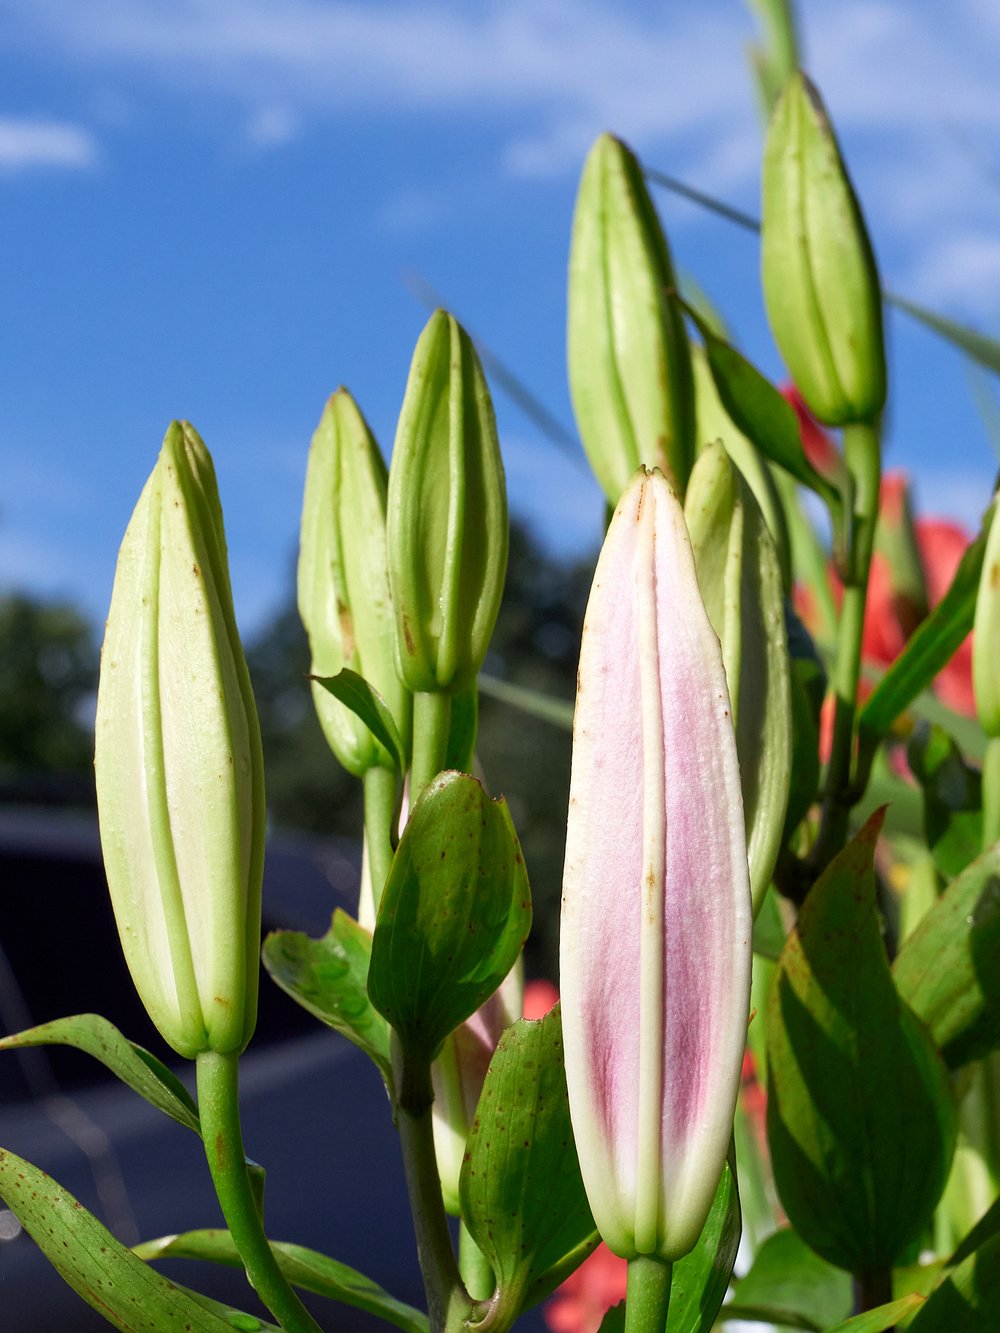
30	144
911	85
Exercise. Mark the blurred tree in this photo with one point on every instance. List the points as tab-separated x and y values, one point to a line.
48	675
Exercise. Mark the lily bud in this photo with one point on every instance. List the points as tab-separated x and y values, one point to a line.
447	515
180	776
821	285
627	349
656	916
986	637
343	580
740	581
458	1074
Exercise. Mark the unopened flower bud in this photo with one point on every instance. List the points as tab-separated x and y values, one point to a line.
343	580
656	916
740	581
627	348
447	515
821	285
180	780
986	636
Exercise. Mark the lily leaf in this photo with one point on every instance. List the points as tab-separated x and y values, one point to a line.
933	644
329	977
365	701
303	1267
790	1285
521	1190
948	969
967	1300
135	1066
109	1277
848	1063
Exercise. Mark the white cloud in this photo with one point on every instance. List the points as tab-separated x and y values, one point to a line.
272	127
911	85
27	144
963	270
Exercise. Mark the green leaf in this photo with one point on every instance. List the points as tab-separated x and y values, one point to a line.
795	1286
764	416
533	702
303	1268
136	1067
948	969
521	1190
329	977
968	1299
700	1280
953	804
849	1065
882	1318
977	345
614	1320
365	701
985	1229
454	915
108	1276
932	646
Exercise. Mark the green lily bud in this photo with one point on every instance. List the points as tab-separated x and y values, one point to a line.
447	514
343	580
627	349
821	285
740	582
715	423
986	637
180	776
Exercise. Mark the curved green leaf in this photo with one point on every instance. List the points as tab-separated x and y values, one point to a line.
521	1190
303	1267
757	409
533	702
884	1317
355	693
948	969
109	1277
848	1065
790	1285
329	977
968	1299
933	644
135	1066
700	1280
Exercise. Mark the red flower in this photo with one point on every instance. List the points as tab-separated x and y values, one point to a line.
586	1296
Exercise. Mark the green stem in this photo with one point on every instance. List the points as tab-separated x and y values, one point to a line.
647	1294
991	793
218	1106
431	723
448	1302
474	1267
862	455
380	788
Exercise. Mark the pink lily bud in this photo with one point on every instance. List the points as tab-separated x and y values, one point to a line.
656	916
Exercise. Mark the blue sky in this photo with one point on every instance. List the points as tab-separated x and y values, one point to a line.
207	209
